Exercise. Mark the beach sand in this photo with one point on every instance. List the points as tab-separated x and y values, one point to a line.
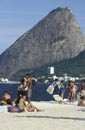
55	117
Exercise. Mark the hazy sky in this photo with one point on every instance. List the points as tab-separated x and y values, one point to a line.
18	16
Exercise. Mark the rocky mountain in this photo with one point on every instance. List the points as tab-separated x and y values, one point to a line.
55	38
73	67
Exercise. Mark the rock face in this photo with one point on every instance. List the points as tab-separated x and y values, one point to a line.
56	37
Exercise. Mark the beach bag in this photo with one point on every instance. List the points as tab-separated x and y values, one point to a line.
50	89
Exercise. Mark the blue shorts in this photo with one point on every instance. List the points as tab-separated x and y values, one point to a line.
62	90
11	108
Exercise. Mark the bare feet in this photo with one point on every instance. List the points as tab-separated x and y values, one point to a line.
38	110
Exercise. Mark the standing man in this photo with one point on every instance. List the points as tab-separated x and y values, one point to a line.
29	80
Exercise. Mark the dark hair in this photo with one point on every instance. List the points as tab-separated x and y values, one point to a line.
22	80
82	97
56	79
18	100
28	74
62	81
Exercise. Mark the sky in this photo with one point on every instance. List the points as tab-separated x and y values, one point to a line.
18	16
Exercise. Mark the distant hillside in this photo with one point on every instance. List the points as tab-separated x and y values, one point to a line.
74	67
55	38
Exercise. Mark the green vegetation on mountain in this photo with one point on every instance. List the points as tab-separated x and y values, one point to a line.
73	67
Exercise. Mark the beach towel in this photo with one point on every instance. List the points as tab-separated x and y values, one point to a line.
57	98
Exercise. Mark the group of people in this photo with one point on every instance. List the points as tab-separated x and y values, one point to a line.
25	88
72	90
23	100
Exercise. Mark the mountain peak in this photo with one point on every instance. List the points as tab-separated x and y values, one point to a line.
56	37
61	9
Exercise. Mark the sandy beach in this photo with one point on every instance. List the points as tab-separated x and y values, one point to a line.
55	117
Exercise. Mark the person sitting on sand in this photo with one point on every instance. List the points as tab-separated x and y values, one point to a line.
29	107
81	101
6	98
22	107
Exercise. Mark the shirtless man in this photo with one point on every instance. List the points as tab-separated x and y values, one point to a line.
29	84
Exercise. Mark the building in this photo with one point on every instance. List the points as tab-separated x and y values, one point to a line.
50	70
